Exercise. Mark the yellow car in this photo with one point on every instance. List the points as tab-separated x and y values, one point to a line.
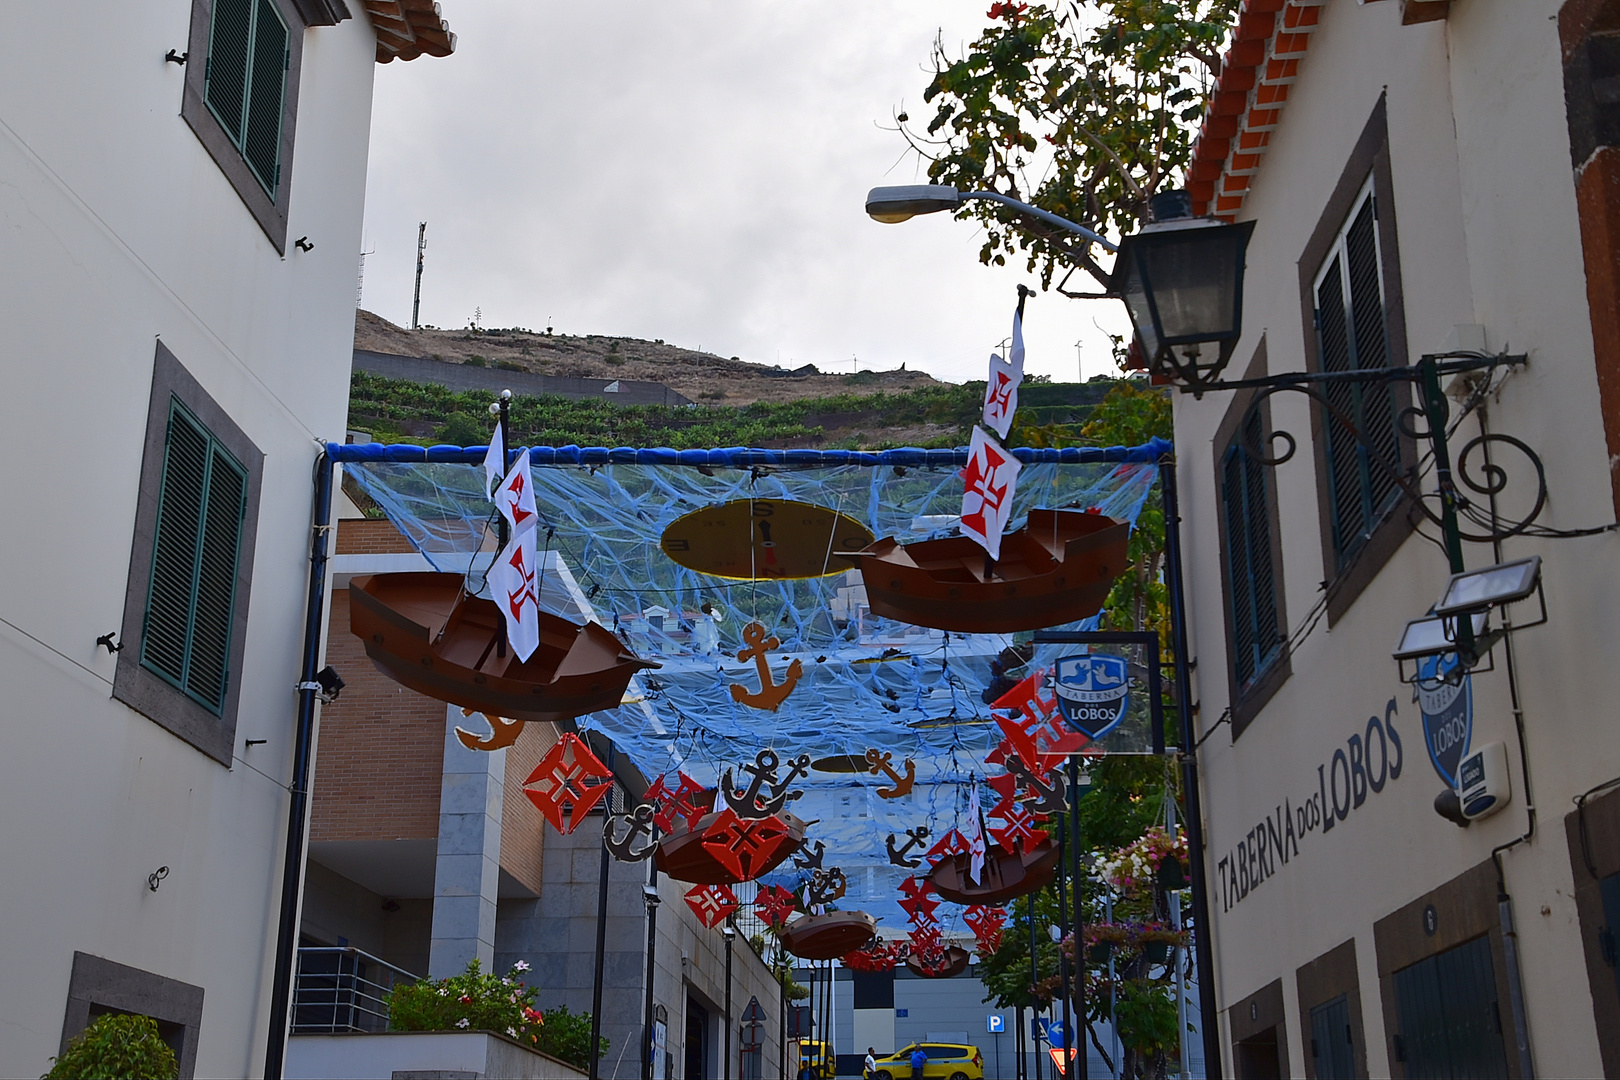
946	1061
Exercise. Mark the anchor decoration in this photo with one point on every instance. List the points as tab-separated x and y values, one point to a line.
1040	796
775	904
754	802
742	845
711	903
897	857
503	733
770	694
825	887
809	857
986	924
636	823
878	762
560	786
686	802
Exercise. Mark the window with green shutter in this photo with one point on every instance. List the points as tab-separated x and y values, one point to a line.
186	635
1251	576
1351	334
245	83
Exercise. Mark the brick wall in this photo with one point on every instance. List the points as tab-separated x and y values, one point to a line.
370	536
522	827
381	755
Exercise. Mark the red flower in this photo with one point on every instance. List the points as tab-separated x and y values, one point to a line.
465	999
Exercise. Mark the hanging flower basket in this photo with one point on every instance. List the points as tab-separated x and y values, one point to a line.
1172	875
1139	864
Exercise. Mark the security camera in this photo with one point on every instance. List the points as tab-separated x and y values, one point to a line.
650	894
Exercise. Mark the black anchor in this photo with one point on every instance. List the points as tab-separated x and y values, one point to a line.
809	856
825	887
763	771
638	822
1040	797
918	836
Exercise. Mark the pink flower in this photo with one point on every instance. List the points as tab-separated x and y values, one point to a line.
521	965
463	1022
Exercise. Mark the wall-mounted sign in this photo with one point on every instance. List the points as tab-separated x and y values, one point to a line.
1448	713
1091	691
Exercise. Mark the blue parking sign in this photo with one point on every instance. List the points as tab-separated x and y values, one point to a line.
995	1024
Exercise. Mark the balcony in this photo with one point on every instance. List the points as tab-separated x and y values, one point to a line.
343	989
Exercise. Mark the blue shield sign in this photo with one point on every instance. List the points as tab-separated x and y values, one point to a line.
1091	692
1448	713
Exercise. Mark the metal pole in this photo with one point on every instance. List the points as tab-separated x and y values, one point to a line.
1082	1066
1021	1070
1063	932
303	756
652	955
1179	957
1034	977
1113	1019
421	247
730	934
502	528
601	934
781	1012
1204	956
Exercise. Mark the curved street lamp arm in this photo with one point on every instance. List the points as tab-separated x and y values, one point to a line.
1037	212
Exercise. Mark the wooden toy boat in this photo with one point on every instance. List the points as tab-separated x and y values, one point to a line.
828	936
425	632
683	856
953	960
1056	569
1006	874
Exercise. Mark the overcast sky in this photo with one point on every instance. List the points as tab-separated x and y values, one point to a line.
695	172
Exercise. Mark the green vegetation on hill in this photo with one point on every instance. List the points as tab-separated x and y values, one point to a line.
393	410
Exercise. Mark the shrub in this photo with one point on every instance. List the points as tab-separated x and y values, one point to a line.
117	1047
467	1002
567	1036
475	361
463	429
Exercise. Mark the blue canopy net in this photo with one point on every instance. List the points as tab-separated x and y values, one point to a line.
867	682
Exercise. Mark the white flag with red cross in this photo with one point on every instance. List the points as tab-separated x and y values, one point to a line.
514	586
1001	389
987	497
515	497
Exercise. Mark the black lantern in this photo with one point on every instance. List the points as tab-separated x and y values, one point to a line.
1182	281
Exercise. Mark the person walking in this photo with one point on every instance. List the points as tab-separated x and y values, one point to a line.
919	1061
869	1066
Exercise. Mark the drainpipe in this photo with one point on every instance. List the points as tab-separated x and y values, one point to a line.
303	753
601	931
1203	951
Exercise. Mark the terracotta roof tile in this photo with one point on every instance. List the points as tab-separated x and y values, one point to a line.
407	29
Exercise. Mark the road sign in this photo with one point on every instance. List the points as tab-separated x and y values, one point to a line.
1057	1034
995	1023
1061	1060
1037	1028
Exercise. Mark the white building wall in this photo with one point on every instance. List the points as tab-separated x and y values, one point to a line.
117	230
1488	234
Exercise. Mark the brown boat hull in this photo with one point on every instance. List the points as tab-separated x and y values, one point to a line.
683	857
1058	568
956	962
1006	875
424	632
828	936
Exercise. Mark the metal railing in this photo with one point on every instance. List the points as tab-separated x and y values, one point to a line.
343	989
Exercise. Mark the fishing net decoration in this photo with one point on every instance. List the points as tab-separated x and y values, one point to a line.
867	682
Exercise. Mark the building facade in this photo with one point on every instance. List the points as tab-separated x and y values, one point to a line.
181	191
425	854
1425	178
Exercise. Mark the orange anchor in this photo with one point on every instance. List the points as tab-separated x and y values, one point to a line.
771	694
503	733
879	762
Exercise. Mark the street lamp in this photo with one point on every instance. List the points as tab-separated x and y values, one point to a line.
1459	622
1181	277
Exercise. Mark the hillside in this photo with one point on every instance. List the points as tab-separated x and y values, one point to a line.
699	375
759	406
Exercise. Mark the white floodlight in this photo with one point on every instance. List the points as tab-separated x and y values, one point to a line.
1490	586
1433	635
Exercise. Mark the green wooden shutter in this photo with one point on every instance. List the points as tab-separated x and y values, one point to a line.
201	509
230	32
1251	574
246	82
261	141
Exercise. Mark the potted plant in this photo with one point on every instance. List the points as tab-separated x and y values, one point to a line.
116	1047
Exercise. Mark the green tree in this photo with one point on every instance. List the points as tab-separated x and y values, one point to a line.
116	1047
1085	109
